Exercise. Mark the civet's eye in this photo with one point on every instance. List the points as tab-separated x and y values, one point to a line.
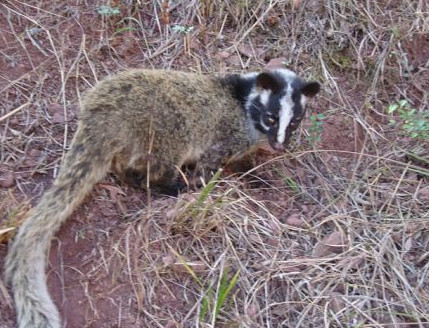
271	120
294	124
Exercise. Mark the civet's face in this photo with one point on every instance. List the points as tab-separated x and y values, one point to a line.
277	104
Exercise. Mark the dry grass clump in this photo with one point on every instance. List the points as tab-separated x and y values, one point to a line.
354	255
334	233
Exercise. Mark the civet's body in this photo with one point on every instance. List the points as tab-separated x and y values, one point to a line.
150	121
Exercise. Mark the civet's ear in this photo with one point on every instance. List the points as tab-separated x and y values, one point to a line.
268	81
310	89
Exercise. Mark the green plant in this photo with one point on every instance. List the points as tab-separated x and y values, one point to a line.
316	128
414	123
204	194
106	10
80	235
215	300
402	58
124	29
182	29
289	181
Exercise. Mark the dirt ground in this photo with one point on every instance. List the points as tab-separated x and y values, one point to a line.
126	259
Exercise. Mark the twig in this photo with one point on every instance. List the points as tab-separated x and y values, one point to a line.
13	112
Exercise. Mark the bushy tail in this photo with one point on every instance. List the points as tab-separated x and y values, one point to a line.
26	260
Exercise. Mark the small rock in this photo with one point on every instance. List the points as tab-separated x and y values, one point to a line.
295	221
245	50
7	179
252	310
424	194
171	324
57	112
168	260
336	242
336	303
234	60
296	4
275	63
223	54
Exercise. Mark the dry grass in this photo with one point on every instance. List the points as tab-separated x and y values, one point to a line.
334	234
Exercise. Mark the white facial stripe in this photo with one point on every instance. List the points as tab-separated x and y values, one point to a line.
288	75
303	101
285	114
253	94
250	75
264	97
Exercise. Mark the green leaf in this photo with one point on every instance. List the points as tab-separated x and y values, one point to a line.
225	289
108	11
124	29
183	29
403	102
392	108
422	123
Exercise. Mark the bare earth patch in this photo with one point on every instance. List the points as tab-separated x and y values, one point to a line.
335	233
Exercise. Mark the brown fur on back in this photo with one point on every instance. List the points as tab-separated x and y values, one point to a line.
135	120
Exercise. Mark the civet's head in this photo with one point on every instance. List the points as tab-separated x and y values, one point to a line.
276	103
